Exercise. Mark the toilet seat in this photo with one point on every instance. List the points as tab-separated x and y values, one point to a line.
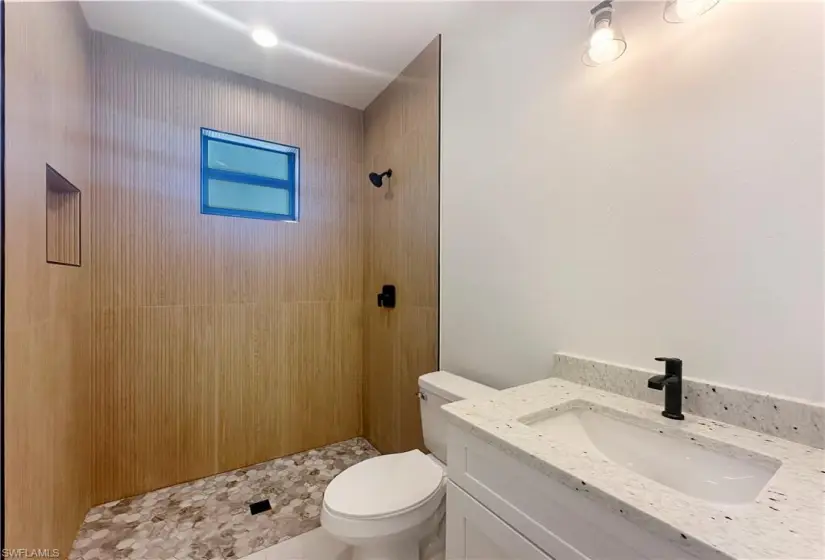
386	498
385	486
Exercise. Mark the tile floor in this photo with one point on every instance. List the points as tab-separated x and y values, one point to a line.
319	545
209	519
313	545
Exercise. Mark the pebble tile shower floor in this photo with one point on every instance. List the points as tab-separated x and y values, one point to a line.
209	519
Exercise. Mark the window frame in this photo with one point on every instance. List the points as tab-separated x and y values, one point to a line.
291	185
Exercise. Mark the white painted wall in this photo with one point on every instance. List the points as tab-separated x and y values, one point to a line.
669	204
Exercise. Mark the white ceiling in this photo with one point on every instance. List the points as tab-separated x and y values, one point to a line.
346	52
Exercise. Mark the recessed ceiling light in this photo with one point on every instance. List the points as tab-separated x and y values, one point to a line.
264	37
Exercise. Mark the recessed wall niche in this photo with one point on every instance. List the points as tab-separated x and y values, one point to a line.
63	215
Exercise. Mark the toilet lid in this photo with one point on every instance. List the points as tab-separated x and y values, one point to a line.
384	485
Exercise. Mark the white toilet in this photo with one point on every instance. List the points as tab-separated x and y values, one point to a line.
388	507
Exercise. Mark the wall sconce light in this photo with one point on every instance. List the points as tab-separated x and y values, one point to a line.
606	42
679	11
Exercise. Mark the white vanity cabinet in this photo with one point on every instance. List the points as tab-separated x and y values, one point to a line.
474	532
500	509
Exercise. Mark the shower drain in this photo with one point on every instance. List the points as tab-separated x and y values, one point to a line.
259	507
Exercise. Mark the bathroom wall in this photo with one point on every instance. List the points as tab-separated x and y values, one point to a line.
668	204
47	309
218	342
401	248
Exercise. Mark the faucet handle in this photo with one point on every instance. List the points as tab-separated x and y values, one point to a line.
669	360
673	366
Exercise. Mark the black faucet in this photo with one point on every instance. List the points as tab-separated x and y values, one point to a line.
671	382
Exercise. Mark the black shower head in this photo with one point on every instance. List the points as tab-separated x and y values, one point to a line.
377	179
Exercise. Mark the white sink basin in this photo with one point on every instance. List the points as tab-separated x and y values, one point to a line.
672	459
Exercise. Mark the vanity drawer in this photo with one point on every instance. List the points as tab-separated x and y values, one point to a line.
475	533
559	520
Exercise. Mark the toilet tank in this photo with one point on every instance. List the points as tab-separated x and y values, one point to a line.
437	389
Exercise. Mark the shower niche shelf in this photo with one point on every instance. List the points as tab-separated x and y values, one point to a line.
63	214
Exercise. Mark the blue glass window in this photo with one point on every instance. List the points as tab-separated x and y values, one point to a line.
248	178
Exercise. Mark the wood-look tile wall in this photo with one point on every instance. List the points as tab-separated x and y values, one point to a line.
401	248
47	316
187	344
218	342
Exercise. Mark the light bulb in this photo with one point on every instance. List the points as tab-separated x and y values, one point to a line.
604	53
606	42
677	11
601	37
603	45
264	37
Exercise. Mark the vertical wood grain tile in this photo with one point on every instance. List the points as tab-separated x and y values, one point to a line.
401	247
63	228
417	343
47	316
234	340
156	397
381	385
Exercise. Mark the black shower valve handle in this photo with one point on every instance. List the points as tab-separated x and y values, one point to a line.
386	298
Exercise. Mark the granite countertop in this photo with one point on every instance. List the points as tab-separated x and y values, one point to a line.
787	519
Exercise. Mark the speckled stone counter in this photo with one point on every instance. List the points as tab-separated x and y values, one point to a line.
793	419
787	519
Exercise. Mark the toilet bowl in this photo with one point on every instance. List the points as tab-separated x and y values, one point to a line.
384	507
390	507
